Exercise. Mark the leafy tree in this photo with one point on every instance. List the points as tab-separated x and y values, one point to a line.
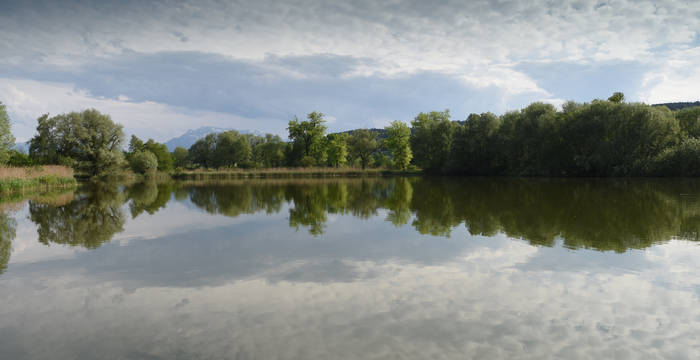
475	147
270	153
431	140
201	153
617	97
7	141
399	142
307	135
136	144
689	121
143	162
231	149
337	149
362	143
165	159
90	140
180	157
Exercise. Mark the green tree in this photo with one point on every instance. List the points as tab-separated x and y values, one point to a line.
475	147
689	121
201	153
136	144
165	159
270	153
362	143
143	162
180	157
90	140
399	142
231	149
7	141
617	97
307	136
337	149
431	140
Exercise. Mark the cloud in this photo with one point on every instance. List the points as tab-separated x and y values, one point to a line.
27	100
364	63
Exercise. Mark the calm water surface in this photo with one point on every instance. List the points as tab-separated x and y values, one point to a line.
400	268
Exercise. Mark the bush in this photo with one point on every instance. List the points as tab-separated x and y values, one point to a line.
19	159
143	162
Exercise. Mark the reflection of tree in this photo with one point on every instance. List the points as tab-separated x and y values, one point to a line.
236	199
88	221
609	214
398	201
311	201
148	196
8	226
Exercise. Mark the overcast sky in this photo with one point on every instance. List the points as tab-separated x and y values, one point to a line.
162	67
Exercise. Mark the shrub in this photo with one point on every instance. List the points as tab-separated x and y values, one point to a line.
143	162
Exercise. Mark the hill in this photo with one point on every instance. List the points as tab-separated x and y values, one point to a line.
679	105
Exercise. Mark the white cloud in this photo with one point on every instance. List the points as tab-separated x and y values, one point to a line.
676	78
27	100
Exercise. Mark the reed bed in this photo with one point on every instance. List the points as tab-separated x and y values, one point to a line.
20	179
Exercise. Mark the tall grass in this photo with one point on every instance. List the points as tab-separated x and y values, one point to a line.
17	179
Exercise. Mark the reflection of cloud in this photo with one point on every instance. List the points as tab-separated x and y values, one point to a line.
411	310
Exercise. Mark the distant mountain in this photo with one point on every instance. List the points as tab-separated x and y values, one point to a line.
679	105
191	136
22	147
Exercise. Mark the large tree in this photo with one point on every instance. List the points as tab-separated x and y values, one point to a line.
180	157
399	142
307	136
232	149
165	159
7	141
431	140
337	149
363	143
89	140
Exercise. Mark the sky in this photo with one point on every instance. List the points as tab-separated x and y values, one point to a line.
160	68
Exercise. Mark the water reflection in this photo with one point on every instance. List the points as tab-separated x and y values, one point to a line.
601	214
7	234
89	220
216	270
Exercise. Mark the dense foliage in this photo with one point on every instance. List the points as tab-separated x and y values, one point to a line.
6	138
600	138
88	140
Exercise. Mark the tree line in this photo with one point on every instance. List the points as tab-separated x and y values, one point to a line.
600	138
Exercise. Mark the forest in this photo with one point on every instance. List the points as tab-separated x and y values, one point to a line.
601	138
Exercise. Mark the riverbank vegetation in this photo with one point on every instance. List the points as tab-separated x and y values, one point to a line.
22	179
596	139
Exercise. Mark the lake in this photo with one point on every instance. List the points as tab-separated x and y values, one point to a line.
378	268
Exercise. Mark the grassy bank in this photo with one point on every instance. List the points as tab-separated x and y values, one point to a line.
222	174
35	178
